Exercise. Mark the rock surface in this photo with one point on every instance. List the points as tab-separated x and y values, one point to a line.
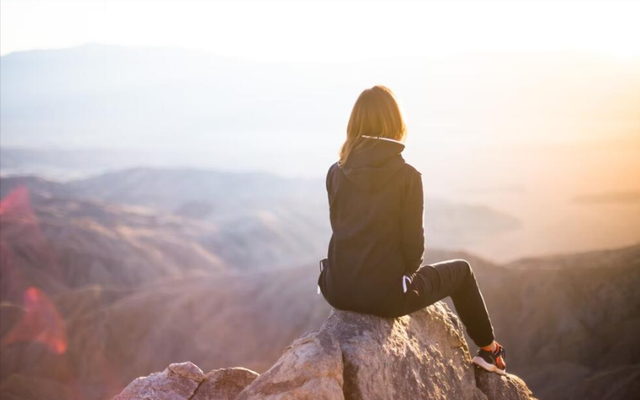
310	368
224	384
185	381
495	386
178	381
352	356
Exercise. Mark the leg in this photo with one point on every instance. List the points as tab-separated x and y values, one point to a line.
454	278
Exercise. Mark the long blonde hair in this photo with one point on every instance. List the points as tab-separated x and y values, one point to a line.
375	113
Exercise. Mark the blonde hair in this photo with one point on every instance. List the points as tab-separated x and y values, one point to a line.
375	113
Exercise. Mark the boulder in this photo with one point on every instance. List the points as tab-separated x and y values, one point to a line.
185	381
352	356
224	383
178	381
498	387
310	368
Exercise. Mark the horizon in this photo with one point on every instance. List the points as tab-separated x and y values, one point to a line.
626	59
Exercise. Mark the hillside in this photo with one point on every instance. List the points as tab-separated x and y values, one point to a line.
214	320
128	290
59	243
572	321
254	220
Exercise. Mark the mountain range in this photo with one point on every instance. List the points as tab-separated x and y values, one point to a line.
100	286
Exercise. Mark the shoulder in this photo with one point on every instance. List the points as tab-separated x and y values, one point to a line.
331	174
413	179
411	170
413	184
332	169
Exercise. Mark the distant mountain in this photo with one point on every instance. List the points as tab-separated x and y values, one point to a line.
608	198
229	192
129	289
58	243
571	322
66	164
245	226
114	97
301	204
562	339
200	109
260	220
215	319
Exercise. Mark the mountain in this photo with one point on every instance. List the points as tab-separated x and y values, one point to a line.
297	202
58	243
136	98
129	289
571	321
229	319
214	319
255	220
65	164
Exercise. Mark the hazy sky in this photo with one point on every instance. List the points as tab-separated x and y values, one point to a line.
551	116
326	31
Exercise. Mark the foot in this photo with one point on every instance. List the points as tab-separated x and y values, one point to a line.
493	361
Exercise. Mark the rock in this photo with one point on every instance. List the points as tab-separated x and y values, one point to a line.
352	356
185	381
499	387
420	356
224	383
423	355
177	382
310	368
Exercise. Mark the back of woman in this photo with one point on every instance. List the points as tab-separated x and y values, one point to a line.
374	261
376	211
366	207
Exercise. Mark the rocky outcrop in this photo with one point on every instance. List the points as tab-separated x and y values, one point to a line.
185	381
352	356
507	386
224	384
177	381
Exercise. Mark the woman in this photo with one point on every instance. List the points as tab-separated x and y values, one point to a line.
374	262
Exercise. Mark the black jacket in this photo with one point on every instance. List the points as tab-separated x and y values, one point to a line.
376	210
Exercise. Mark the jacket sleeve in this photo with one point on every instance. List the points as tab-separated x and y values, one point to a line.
412	224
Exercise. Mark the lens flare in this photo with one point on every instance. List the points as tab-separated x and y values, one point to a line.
17	204
41	322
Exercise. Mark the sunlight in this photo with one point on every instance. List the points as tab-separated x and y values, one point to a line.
326	31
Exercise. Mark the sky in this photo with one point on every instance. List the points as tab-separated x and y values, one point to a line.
329	31
516	105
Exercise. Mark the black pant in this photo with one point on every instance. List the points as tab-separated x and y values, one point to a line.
455	278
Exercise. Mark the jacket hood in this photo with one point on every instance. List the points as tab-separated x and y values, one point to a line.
373	162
